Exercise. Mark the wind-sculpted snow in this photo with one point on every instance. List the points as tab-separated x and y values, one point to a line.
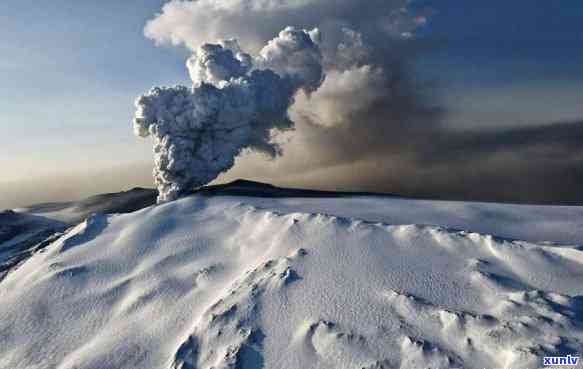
217	282
236	103
229	333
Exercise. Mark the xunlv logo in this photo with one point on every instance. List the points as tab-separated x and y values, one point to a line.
561	360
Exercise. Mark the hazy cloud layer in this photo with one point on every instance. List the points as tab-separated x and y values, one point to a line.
73	184
541	164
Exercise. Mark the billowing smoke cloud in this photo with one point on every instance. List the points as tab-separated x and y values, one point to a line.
374	124
192	23
235	103
364	51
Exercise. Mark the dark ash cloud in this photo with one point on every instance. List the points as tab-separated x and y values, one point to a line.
541	164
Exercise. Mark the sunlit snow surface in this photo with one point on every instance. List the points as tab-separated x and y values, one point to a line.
242	282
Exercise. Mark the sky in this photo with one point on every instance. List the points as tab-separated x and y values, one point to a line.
71	70
70	73
503	58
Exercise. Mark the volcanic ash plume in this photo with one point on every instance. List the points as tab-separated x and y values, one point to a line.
235	103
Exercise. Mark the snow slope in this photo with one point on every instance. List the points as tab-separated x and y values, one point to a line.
28	230
250	282
23	234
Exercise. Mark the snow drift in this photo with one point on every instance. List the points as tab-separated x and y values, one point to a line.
235	103
236	282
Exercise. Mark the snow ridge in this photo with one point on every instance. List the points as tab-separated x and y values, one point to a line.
228	335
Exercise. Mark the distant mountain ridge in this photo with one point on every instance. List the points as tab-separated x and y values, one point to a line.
73	212
243	187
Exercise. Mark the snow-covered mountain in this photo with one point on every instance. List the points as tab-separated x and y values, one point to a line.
250	276
28	230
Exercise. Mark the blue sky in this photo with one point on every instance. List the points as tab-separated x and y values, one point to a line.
70	70
508	62
510	41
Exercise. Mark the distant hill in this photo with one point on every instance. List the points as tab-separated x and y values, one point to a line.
242	187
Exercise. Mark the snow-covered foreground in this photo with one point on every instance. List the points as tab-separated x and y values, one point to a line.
251	283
